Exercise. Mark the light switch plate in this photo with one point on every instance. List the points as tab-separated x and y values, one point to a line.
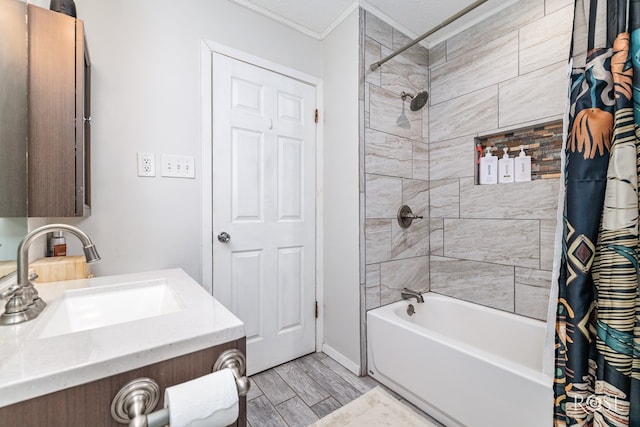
146	164
176	166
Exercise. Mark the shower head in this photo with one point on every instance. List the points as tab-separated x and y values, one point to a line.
418	100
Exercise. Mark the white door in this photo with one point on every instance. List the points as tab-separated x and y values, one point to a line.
263	170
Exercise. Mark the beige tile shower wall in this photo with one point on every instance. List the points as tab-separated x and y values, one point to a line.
493	245
394	166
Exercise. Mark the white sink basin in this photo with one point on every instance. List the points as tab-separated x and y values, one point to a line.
109	325
91	308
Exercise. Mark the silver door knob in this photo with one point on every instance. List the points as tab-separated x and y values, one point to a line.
224	237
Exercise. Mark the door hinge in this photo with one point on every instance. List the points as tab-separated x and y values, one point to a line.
316	309
316	116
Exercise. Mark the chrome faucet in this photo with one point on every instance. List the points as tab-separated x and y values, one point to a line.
24	303
408	294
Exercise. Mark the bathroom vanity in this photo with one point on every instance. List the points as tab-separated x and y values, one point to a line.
65	367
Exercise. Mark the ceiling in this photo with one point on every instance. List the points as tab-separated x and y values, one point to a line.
317	18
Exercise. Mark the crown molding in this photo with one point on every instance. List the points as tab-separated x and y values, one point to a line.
296	26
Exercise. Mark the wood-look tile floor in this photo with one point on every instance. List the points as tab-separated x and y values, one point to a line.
304	390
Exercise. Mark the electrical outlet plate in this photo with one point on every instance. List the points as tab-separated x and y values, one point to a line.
178	166
146	164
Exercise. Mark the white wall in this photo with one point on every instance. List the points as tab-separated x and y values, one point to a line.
146	98
340	52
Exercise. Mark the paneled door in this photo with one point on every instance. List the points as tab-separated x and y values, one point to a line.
263	170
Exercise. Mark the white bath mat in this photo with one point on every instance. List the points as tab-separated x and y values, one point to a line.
376	408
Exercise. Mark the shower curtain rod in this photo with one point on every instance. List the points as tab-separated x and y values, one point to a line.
444	23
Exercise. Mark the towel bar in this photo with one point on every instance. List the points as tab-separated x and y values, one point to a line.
134	402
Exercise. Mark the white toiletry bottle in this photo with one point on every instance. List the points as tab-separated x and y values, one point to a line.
489	168
505	168
523	166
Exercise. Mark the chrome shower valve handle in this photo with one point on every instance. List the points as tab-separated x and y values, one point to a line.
405	216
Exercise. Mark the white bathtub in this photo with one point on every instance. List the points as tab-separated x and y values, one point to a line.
464	364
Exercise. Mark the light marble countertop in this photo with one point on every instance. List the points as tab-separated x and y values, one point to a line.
31	366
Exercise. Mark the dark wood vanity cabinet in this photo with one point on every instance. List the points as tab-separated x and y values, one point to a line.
90	404
59	114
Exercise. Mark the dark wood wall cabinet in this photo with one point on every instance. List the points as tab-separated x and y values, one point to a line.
13	109
59	172
90	404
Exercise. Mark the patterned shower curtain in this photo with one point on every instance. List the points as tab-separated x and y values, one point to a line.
597	342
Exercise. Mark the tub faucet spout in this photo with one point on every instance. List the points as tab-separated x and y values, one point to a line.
408	294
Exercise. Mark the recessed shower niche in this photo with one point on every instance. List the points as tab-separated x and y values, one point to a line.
543	143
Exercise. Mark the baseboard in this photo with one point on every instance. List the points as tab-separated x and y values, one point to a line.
344	361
